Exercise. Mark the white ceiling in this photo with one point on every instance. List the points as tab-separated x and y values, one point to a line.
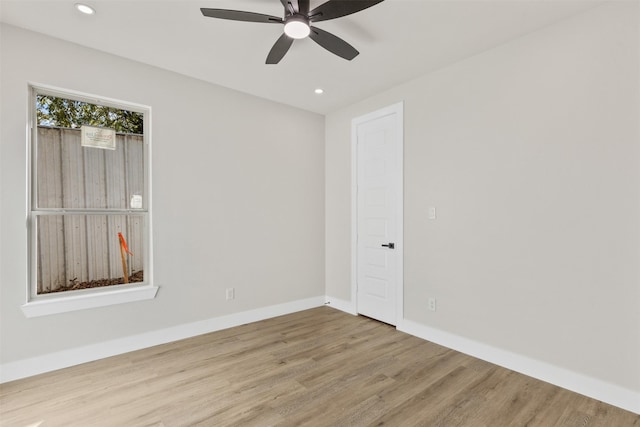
398	40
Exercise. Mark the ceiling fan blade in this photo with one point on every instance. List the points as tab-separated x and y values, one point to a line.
239	15
279	49
333	44
339	8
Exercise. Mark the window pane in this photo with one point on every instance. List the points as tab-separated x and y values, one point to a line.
77	251
69	113
72	176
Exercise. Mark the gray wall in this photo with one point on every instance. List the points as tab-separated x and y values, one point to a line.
530	152
238	197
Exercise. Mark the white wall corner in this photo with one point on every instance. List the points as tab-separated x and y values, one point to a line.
75	356
592	387
340	304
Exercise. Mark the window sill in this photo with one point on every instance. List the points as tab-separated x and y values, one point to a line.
65	304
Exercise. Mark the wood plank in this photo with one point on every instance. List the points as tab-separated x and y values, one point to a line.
318	367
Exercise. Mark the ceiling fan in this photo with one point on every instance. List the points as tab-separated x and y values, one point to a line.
297	24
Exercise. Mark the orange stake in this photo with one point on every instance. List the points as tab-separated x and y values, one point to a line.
124	249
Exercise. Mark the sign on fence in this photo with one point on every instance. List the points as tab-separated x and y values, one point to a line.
98	137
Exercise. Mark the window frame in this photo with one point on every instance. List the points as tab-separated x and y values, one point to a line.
60	302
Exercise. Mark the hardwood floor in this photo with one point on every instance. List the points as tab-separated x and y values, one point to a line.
318	367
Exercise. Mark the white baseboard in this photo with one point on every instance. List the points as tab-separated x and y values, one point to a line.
342	305
601	390
75	356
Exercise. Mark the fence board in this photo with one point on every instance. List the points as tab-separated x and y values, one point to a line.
51	273
96	197
118	224
49	170
98	247
135	239
75	238
116	175
75	227
134	156
115	192
134	165
73	176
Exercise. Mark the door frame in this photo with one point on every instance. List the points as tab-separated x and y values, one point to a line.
397	110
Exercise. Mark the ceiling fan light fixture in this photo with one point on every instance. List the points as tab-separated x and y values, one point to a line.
297	27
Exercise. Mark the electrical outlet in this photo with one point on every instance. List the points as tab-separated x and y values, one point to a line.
231	293
431	304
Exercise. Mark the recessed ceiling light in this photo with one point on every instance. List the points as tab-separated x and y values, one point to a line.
88	10
319	91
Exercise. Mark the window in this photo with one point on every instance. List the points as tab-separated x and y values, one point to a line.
89	218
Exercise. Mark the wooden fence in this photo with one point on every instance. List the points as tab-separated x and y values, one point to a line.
82	247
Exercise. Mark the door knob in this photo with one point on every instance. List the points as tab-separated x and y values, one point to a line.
390	245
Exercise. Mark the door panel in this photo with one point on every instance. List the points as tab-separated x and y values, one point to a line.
378	166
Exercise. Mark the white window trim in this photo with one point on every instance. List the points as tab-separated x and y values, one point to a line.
74	302
45	305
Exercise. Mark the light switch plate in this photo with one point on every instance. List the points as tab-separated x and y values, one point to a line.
431	213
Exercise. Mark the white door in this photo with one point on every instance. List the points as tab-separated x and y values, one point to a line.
378	150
